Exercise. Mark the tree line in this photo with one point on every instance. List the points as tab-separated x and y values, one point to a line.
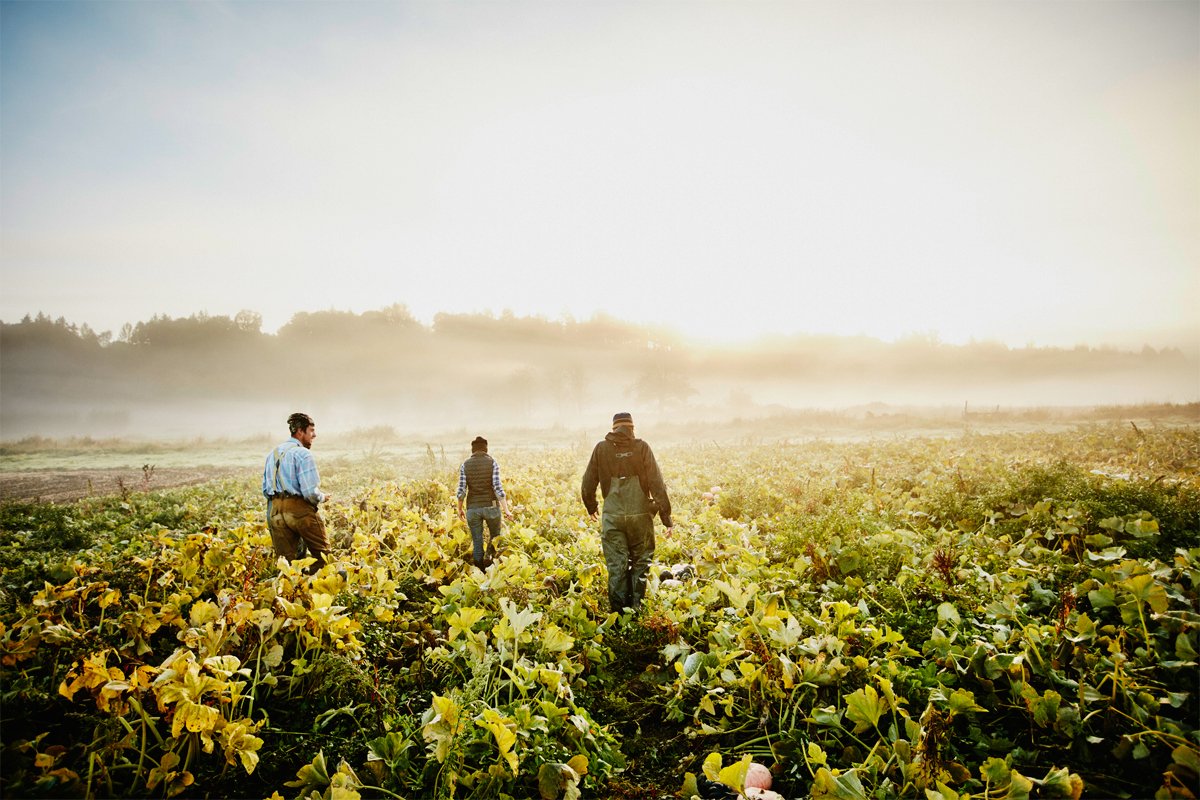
387	366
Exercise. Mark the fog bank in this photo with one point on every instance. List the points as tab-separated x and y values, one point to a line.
224	377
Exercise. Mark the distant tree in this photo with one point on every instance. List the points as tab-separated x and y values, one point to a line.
518	391
663	380
577	385
398	314
248	321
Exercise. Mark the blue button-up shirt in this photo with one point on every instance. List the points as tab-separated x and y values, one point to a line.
297	472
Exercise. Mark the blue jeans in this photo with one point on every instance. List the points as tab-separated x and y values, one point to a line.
475	519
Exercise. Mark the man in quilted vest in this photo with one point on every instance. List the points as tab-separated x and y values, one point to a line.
627	473
479	486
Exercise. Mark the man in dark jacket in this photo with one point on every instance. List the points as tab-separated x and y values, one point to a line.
633	489
479	485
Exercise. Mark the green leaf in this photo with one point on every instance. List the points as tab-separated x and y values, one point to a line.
1045	708
1104	597
942	792
1145	589
1187	756
1184	649
1019	787
1108	554
962	700
1142	528
312	776
846	786
555	778
994	771
865	707
389	748
828	716
949	614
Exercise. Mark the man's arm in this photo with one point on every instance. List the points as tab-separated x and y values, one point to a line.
307	476
591	479
268	474
658	487
499	489
462	489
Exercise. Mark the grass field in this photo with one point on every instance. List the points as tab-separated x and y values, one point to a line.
1004	610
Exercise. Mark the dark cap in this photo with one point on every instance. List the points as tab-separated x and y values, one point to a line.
478	444
622	418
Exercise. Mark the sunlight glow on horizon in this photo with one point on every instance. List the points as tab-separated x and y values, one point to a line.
1018	173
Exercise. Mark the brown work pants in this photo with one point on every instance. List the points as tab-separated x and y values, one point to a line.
293	520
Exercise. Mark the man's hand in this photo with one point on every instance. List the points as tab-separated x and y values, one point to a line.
595	515
668	531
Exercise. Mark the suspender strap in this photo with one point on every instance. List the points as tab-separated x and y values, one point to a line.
279	451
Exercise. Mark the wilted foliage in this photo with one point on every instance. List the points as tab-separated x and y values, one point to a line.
959	618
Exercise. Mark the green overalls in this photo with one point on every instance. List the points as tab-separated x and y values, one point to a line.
627	535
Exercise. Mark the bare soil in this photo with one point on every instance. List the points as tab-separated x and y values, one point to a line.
65	486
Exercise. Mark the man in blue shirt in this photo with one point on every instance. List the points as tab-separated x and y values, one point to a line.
479	485
291	486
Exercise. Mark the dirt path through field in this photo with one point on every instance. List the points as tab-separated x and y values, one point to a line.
65	486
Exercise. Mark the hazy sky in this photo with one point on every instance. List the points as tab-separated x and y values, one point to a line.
1027	172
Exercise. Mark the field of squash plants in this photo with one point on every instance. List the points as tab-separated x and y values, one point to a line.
997	616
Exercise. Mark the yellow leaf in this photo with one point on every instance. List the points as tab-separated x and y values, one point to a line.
505	737
463	620
68	690
274	656
204	611
712	766
734	776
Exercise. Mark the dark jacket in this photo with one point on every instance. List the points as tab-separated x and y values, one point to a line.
606	462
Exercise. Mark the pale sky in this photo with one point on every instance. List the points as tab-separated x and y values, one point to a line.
1023	172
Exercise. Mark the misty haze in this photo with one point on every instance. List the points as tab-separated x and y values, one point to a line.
214	376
